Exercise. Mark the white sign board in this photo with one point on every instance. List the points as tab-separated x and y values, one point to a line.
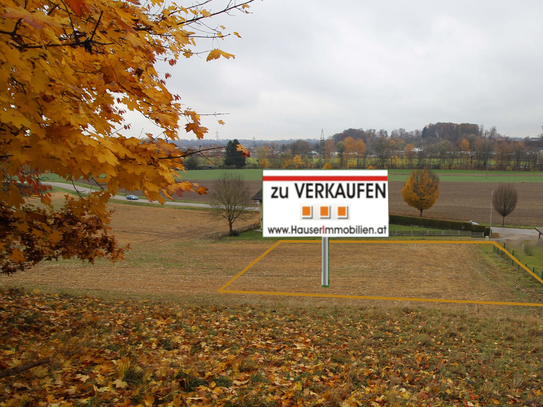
325	203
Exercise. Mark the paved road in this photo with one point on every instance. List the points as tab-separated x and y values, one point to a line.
84	190
510	233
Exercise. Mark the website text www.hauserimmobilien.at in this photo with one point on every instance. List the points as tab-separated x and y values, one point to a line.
332	230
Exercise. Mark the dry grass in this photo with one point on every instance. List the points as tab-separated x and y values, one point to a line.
174	252
452	272
174	255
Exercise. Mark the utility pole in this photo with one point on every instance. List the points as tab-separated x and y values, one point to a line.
322	146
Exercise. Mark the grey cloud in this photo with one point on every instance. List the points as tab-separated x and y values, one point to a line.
305	65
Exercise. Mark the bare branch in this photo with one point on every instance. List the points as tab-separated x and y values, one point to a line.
22	368
225	10
504	200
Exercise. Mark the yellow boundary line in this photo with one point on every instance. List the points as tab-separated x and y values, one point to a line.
366	297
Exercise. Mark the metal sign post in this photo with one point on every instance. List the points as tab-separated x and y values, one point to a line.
325	262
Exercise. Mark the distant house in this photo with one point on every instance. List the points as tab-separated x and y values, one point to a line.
258	199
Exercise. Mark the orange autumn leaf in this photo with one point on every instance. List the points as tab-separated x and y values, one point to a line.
217	53
17	256
78	7
201	190
244	150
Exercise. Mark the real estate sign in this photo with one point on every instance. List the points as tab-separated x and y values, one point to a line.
325	203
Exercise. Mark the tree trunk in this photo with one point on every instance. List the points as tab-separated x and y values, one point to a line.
421	212
503	221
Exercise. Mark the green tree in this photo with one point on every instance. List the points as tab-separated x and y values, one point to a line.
233	156
191	163
421	189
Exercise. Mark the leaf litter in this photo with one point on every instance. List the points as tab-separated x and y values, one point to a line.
145	353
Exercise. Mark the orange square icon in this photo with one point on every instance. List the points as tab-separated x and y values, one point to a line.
307	212
325	212
343	212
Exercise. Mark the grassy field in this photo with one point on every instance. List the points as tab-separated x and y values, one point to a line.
528	252
396	175
153	331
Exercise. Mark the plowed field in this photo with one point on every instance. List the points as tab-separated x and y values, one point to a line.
457	201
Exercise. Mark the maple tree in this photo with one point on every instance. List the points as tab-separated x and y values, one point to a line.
421	189
70	71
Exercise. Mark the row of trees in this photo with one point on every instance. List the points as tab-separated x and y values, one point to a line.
361	149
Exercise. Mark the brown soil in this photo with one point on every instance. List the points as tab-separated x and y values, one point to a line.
471	201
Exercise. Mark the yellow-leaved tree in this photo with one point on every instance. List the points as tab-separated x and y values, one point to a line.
421	189
354	149
69	70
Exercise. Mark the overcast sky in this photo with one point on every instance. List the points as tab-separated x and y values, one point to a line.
306	65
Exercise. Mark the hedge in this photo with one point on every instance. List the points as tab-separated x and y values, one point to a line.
438	224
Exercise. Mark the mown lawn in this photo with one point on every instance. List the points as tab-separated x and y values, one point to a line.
167	354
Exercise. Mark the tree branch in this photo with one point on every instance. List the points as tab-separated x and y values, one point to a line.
225	10
97	183
22	368
189	153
